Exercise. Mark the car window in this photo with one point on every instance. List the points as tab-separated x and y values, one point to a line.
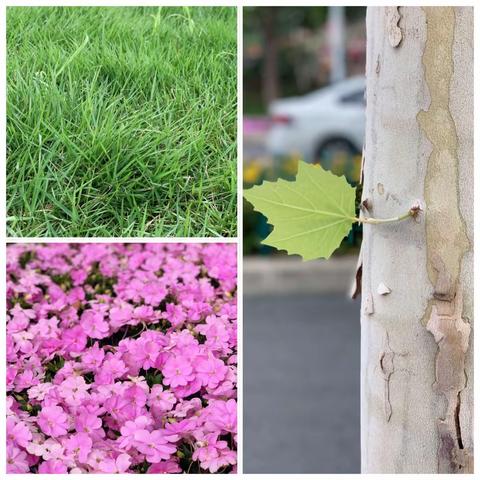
357	97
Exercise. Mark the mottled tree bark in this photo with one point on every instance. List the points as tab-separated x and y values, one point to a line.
417	285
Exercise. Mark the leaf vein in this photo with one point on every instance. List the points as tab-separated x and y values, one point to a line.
294	207
308	232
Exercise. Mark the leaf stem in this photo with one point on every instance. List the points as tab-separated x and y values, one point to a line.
413	212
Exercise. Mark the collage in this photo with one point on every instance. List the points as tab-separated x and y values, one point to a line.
238	238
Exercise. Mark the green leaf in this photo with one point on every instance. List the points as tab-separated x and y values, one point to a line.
310	215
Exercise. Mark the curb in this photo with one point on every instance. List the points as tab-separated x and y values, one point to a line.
279	276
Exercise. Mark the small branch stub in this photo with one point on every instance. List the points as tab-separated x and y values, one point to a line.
414	211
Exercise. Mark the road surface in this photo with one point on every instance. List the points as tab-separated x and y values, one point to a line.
301	384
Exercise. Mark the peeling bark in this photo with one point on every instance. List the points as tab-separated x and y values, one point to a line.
446	237
419	146
451	333
387	368
382	289
394	31
367	304
357	280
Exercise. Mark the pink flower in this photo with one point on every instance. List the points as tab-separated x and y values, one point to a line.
112	368
78	276
120	408
52	466
74	390
175	315
177	371
129	429
156	445
94	325
93	358
146	353
87	423
187	408
213	454
74	339
53	421
170	466
48	449
95	458
153	293
23	341
25	380
46	327
161	400
120	315
38	392
144	312
22	316
137	396
80	445
11	376
121	464
211	371
16	460
223	415
184	428
216	333
18	432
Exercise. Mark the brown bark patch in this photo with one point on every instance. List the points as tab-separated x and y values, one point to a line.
447	241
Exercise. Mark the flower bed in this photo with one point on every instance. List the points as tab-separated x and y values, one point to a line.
121	358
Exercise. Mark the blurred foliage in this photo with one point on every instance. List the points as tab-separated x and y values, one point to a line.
291	18
289	22
288	18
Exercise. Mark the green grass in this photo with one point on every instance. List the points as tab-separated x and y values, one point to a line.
121	121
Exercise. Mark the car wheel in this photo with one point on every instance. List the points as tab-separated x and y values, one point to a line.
333	148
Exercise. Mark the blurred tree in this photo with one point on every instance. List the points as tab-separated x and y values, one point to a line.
282	49
267	26
270	87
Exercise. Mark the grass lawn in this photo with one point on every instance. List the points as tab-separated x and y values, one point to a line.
121	121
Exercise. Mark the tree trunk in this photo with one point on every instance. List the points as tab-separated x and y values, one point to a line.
337	43
417	286
270	88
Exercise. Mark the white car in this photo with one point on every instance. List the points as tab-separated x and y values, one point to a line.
315	124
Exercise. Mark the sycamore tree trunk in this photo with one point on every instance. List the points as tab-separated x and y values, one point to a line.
417	286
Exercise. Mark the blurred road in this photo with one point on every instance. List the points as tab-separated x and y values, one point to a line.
301	384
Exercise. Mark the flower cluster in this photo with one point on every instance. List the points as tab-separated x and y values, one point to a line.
121	358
